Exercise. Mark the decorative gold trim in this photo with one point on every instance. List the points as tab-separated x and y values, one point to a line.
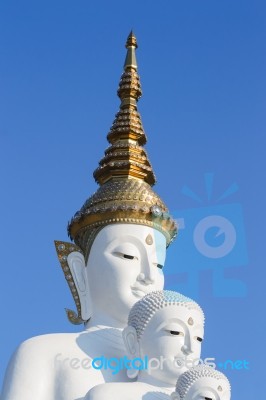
63	249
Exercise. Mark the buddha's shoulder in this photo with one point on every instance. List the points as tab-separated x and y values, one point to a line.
50	338
48	344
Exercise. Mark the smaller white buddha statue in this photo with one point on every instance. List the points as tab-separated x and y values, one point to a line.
202	382
163	337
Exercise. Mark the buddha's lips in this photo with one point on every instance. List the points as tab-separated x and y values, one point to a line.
138	291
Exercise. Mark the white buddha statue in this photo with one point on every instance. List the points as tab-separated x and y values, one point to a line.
120	234
163	338
202	382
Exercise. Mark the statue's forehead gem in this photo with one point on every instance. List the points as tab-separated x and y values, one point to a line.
220	388
149	239
190	321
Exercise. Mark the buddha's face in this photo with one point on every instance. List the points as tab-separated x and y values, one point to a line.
174	335
124	264
208	388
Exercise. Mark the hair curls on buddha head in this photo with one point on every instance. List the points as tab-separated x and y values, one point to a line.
188	378
144	309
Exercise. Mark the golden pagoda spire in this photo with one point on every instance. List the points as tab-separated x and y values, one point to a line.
126	156
124	174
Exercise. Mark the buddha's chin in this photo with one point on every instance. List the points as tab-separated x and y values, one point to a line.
168	376
124	307
138	293
173	371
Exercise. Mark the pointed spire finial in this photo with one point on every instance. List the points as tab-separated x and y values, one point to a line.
131	40
131	45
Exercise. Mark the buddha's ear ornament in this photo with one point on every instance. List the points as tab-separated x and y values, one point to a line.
73	265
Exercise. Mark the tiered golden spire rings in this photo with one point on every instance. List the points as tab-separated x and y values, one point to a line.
125	157
124	174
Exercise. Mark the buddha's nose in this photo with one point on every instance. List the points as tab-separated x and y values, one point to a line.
147	272
146	278
186	349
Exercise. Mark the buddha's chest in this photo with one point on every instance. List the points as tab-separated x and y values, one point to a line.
79	376
82	367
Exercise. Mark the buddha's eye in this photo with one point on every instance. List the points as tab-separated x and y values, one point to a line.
208	398
128	256
160	266
177	333
200	340
123	255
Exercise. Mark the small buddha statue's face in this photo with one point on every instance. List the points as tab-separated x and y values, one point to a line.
208	388
174	335
124	264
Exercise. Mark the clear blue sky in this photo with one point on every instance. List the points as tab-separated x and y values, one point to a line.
202	68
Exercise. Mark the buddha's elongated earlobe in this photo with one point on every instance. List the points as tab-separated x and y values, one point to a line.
77	266
73	265
131	343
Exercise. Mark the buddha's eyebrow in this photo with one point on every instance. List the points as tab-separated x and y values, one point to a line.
132	240
170	321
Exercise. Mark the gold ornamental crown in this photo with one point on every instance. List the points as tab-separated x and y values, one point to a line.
124	174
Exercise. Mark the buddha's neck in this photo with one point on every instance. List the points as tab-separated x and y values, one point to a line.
100	319
105	337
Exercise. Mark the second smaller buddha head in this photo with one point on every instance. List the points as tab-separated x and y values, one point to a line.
202	382
166	328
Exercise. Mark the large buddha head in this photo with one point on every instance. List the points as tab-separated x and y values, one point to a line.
122	231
